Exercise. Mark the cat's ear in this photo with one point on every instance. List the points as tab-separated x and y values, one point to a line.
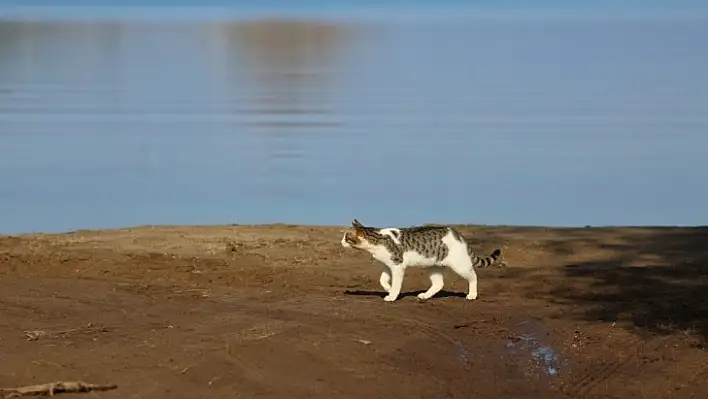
357	224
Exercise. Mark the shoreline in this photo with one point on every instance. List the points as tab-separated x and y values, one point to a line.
499	227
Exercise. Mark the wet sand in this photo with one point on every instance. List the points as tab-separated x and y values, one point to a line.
284	311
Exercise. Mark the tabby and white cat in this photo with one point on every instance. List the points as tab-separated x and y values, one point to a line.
432	247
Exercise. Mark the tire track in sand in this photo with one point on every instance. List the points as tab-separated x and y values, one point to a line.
583	383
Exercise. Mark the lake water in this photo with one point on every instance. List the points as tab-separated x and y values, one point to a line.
541	120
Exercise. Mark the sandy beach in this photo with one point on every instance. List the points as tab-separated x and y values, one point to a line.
282	311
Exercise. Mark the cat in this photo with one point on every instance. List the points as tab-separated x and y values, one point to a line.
432	246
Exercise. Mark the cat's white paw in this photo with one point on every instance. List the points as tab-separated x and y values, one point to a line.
423	296
389	298
471	296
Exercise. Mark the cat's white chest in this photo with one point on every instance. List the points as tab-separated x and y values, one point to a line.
382	254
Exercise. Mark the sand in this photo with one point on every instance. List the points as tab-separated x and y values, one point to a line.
284	311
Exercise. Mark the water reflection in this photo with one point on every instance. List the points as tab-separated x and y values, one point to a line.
285	68
288	62
107	124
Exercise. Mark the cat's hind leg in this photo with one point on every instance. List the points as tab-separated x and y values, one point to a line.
436	283
462	266
385	280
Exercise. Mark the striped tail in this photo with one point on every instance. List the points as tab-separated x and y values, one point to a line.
482	262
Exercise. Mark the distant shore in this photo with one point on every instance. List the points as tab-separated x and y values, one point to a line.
327	227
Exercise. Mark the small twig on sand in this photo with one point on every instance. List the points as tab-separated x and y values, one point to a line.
52	388
34	335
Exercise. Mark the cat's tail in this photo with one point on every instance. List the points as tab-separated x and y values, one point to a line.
485	261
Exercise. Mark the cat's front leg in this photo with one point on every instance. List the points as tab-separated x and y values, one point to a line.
397	273
385	279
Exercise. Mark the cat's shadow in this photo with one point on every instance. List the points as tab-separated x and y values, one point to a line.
381	294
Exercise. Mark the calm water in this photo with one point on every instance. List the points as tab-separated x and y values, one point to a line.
556	121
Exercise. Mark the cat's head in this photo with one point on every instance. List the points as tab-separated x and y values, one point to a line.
359	236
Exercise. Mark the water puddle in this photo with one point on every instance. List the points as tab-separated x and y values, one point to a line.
462	354
528	349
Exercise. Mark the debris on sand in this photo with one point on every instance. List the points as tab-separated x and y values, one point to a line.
90	328
52	388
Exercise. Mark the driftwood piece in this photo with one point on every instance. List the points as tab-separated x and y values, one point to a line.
52	388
